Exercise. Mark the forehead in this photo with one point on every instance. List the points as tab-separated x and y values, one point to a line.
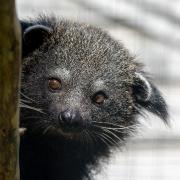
83	45
83	48
82	52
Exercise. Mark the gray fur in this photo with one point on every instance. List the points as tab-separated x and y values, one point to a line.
86	60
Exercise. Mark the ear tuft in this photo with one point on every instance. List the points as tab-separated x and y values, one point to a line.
142	88
33	37
148	96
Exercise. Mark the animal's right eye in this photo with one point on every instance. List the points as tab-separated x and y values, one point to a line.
99	98
54	84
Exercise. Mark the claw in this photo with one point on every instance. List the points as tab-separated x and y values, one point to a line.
22	131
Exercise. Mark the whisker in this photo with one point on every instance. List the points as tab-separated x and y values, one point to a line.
103	127
104	139
37	125
27	97
101	122
24	101
119	131
108	131
32	108
109	123
46	130
105	134
120	128
109	139
31	117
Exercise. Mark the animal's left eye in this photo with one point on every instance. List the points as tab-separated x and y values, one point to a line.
54	84
99	98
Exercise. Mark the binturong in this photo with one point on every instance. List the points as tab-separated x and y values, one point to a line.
81	95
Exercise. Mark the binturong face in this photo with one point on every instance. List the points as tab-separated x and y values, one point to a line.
78	82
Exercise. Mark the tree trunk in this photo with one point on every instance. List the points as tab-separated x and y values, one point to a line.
9	87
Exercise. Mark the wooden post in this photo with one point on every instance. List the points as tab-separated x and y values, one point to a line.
9	87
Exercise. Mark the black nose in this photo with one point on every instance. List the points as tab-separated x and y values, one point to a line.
71	118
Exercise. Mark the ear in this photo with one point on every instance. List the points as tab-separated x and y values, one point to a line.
149	97
33	37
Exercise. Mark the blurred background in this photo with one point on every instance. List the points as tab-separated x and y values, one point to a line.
151	30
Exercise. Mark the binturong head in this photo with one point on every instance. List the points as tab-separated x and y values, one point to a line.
77	81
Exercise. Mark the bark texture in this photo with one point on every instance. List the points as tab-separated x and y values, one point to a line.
9	88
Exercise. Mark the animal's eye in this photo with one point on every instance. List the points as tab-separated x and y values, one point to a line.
54	84
99	98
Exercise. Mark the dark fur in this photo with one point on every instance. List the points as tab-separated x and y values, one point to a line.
91	56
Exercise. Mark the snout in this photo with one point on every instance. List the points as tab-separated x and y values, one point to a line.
71	119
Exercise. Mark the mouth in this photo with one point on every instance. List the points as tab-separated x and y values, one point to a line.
70	130
67	133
